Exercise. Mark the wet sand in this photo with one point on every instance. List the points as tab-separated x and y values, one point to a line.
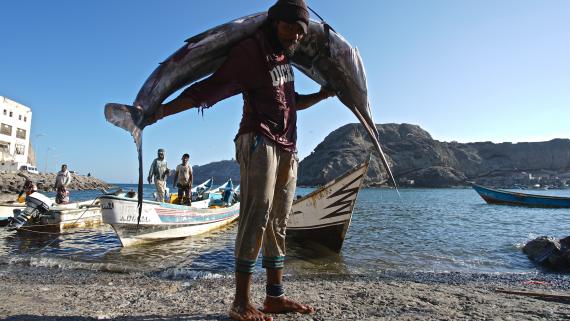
37	293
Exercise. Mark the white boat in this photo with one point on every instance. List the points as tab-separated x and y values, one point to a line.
161	221
56	217
70	215
7	209
323	216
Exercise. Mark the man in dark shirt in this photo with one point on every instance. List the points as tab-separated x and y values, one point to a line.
259	68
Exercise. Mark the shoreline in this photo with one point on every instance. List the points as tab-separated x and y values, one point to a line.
38	293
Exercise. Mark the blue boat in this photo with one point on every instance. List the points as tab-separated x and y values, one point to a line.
495	196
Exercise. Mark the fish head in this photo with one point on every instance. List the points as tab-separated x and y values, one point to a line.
326	57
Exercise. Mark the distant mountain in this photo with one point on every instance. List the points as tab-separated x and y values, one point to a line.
418	160
221	171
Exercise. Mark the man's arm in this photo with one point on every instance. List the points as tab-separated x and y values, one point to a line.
175	177
306	101
225	82
151	171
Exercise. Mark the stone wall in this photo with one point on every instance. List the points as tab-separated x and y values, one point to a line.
11	183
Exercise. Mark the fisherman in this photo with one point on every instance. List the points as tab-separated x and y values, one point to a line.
62	180
159	170
183	180
259	68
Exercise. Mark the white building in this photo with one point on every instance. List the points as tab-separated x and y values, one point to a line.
15	125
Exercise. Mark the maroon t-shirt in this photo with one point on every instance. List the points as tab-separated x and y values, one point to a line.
265	78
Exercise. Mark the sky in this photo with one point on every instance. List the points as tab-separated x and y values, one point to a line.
466	71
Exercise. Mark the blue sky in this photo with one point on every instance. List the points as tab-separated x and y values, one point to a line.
463	70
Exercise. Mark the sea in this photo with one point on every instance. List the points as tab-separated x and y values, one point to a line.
411	230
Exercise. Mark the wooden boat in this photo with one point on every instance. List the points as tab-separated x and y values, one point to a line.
58	217
71	215
162	221
200	190
496	196
7	209
323	216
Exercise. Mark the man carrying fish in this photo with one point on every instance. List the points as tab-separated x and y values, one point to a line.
259	68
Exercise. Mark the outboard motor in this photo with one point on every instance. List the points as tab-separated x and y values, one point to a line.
36	204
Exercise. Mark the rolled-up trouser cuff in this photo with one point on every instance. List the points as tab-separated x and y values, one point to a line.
274	263
245	266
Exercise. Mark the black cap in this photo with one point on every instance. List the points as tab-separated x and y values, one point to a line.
290	11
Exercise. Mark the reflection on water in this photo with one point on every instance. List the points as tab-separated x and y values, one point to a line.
424	230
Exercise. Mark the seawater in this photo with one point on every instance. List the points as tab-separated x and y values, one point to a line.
420	230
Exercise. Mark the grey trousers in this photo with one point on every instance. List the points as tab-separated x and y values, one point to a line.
268	182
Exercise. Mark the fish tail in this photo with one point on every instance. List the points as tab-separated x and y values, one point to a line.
129	118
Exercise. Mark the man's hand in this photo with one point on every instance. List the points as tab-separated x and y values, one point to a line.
153	118
150	180
326	92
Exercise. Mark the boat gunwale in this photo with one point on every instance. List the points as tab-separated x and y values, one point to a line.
334	181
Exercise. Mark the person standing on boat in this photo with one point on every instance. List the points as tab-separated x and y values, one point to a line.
62	180
259	68
159	170
183	180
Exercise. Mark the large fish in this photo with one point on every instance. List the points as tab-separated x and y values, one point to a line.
323	55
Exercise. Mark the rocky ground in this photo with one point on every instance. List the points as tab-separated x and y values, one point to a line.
28	293
12	183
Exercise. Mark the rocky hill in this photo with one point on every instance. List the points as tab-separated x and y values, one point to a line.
11	183
417	159
221	171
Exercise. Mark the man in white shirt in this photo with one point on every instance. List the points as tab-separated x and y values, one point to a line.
62	179
183	180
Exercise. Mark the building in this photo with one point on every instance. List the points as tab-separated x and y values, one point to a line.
15	125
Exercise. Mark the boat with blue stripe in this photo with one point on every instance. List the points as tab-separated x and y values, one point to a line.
497	196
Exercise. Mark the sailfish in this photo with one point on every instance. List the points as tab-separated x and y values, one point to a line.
323	55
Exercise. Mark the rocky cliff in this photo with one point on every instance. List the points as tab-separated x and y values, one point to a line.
417	159
221	171
11	183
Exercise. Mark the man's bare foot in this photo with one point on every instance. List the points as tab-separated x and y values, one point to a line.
284	305
247	313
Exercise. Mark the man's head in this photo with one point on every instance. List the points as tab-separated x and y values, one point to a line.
185	158
291	21
160	153
63	167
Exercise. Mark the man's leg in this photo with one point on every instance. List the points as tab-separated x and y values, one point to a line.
159	190
274	238
188	189
180	195
257	171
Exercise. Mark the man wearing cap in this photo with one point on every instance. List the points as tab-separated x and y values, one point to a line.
259	69
159	170
183	180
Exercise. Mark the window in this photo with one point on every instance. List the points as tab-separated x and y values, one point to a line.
21	133
20	149
19	117
5	147
10	114
25	118
6	129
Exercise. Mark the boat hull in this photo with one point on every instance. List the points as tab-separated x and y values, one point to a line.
162	221
500	197
324	215
66	216
7	209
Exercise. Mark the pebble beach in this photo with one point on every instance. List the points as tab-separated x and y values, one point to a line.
32	293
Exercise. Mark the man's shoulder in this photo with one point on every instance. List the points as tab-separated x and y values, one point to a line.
247	47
